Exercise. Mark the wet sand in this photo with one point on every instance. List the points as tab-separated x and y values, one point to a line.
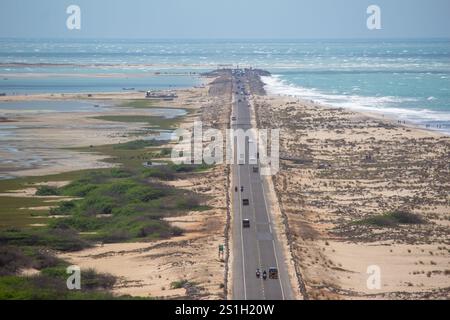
34	143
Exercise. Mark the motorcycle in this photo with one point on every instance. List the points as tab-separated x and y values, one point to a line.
258	274
264	275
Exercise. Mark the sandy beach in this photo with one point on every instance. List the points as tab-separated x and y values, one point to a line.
339	169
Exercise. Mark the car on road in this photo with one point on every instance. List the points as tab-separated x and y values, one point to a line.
246	223
245	202
273	273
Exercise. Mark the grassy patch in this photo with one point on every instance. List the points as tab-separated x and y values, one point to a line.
151	121
392	219
140	104
139	144
50	284
56	238
14	212
120	208
170	171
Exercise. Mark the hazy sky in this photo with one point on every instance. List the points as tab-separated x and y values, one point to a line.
224	18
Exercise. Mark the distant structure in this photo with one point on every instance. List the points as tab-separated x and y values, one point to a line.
158	95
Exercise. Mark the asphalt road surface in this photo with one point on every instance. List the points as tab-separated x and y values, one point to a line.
257	246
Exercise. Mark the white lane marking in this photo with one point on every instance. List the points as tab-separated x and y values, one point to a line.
273	242
256	231
242	235
240	224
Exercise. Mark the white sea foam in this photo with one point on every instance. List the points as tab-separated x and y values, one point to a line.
385	104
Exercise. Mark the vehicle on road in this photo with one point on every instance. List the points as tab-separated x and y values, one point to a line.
264	275
246	223
242	188
241	160
273	273
233	118
258	273
245	202
255	169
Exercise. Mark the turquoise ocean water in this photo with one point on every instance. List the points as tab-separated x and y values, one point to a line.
408	79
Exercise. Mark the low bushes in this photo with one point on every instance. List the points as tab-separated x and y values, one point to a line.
393	219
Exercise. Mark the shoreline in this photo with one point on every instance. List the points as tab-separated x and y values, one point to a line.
387	113
58	130
389	119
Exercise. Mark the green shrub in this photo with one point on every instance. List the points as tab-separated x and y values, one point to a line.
179	284
393	219
64	208
12	259
93	205
188	202
47	191
161	172
78	189
61	238
120	173
51	285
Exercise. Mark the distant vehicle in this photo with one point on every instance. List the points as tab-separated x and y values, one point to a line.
264	275
273	273
255	169
242	188
258	273
233	118
246	223
241	159
245	202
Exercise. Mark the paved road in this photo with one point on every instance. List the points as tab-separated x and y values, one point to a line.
254	247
